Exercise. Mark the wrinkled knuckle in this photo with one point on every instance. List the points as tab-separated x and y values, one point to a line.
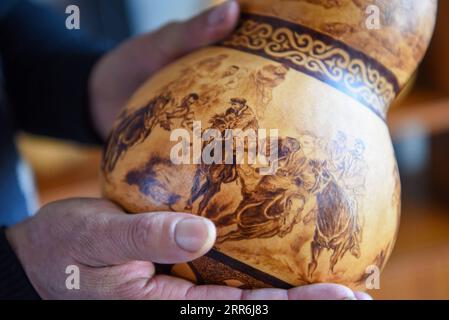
129	291
191	293
100	281
153	289
88	228
138	232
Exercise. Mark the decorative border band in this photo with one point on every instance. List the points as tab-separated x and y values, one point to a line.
318	55
246	269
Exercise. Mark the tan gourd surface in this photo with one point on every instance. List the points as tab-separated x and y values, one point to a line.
311	70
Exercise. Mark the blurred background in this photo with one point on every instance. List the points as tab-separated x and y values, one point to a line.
419	124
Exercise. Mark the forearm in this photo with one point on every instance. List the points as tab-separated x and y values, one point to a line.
47	70
14	283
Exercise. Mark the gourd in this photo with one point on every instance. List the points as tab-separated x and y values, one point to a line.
309	79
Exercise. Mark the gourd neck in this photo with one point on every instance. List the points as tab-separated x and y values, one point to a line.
317	55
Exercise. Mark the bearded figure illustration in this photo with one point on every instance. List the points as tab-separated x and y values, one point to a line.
338	226
261	83
265	210
209	80
303	189
210	177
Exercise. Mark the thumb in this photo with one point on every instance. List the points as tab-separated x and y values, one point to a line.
161	237
180	38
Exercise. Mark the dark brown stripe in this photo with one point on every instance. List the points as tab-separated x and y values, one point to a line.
246	269
356	62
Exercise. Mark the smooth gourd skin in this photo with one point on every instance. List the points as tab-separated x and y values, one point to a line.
312	70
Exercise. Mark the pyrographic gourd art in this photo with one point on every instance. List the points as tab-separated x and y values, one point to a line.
309	190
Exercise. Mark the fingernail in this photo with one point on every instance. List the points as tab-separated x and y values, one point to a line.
193	234
218	14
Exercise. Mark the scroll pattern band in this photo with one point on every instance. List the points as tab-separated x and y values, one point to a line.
320	56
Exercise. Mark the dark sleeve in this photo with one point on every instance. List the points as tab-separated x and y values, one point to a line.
14	284
46	71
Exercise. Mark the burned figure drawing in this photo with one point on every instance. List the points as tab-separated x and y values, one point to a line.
203	85
210	177
261	83
337	224
165	108
154	180
317	183
272	205
266	209
201	73
133	128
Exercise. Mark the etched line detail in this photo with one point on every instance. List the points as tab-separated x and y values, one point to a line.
248	270
318	55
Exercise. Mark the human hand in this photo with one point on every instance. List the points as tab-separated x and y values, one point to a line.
119	74
115	253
